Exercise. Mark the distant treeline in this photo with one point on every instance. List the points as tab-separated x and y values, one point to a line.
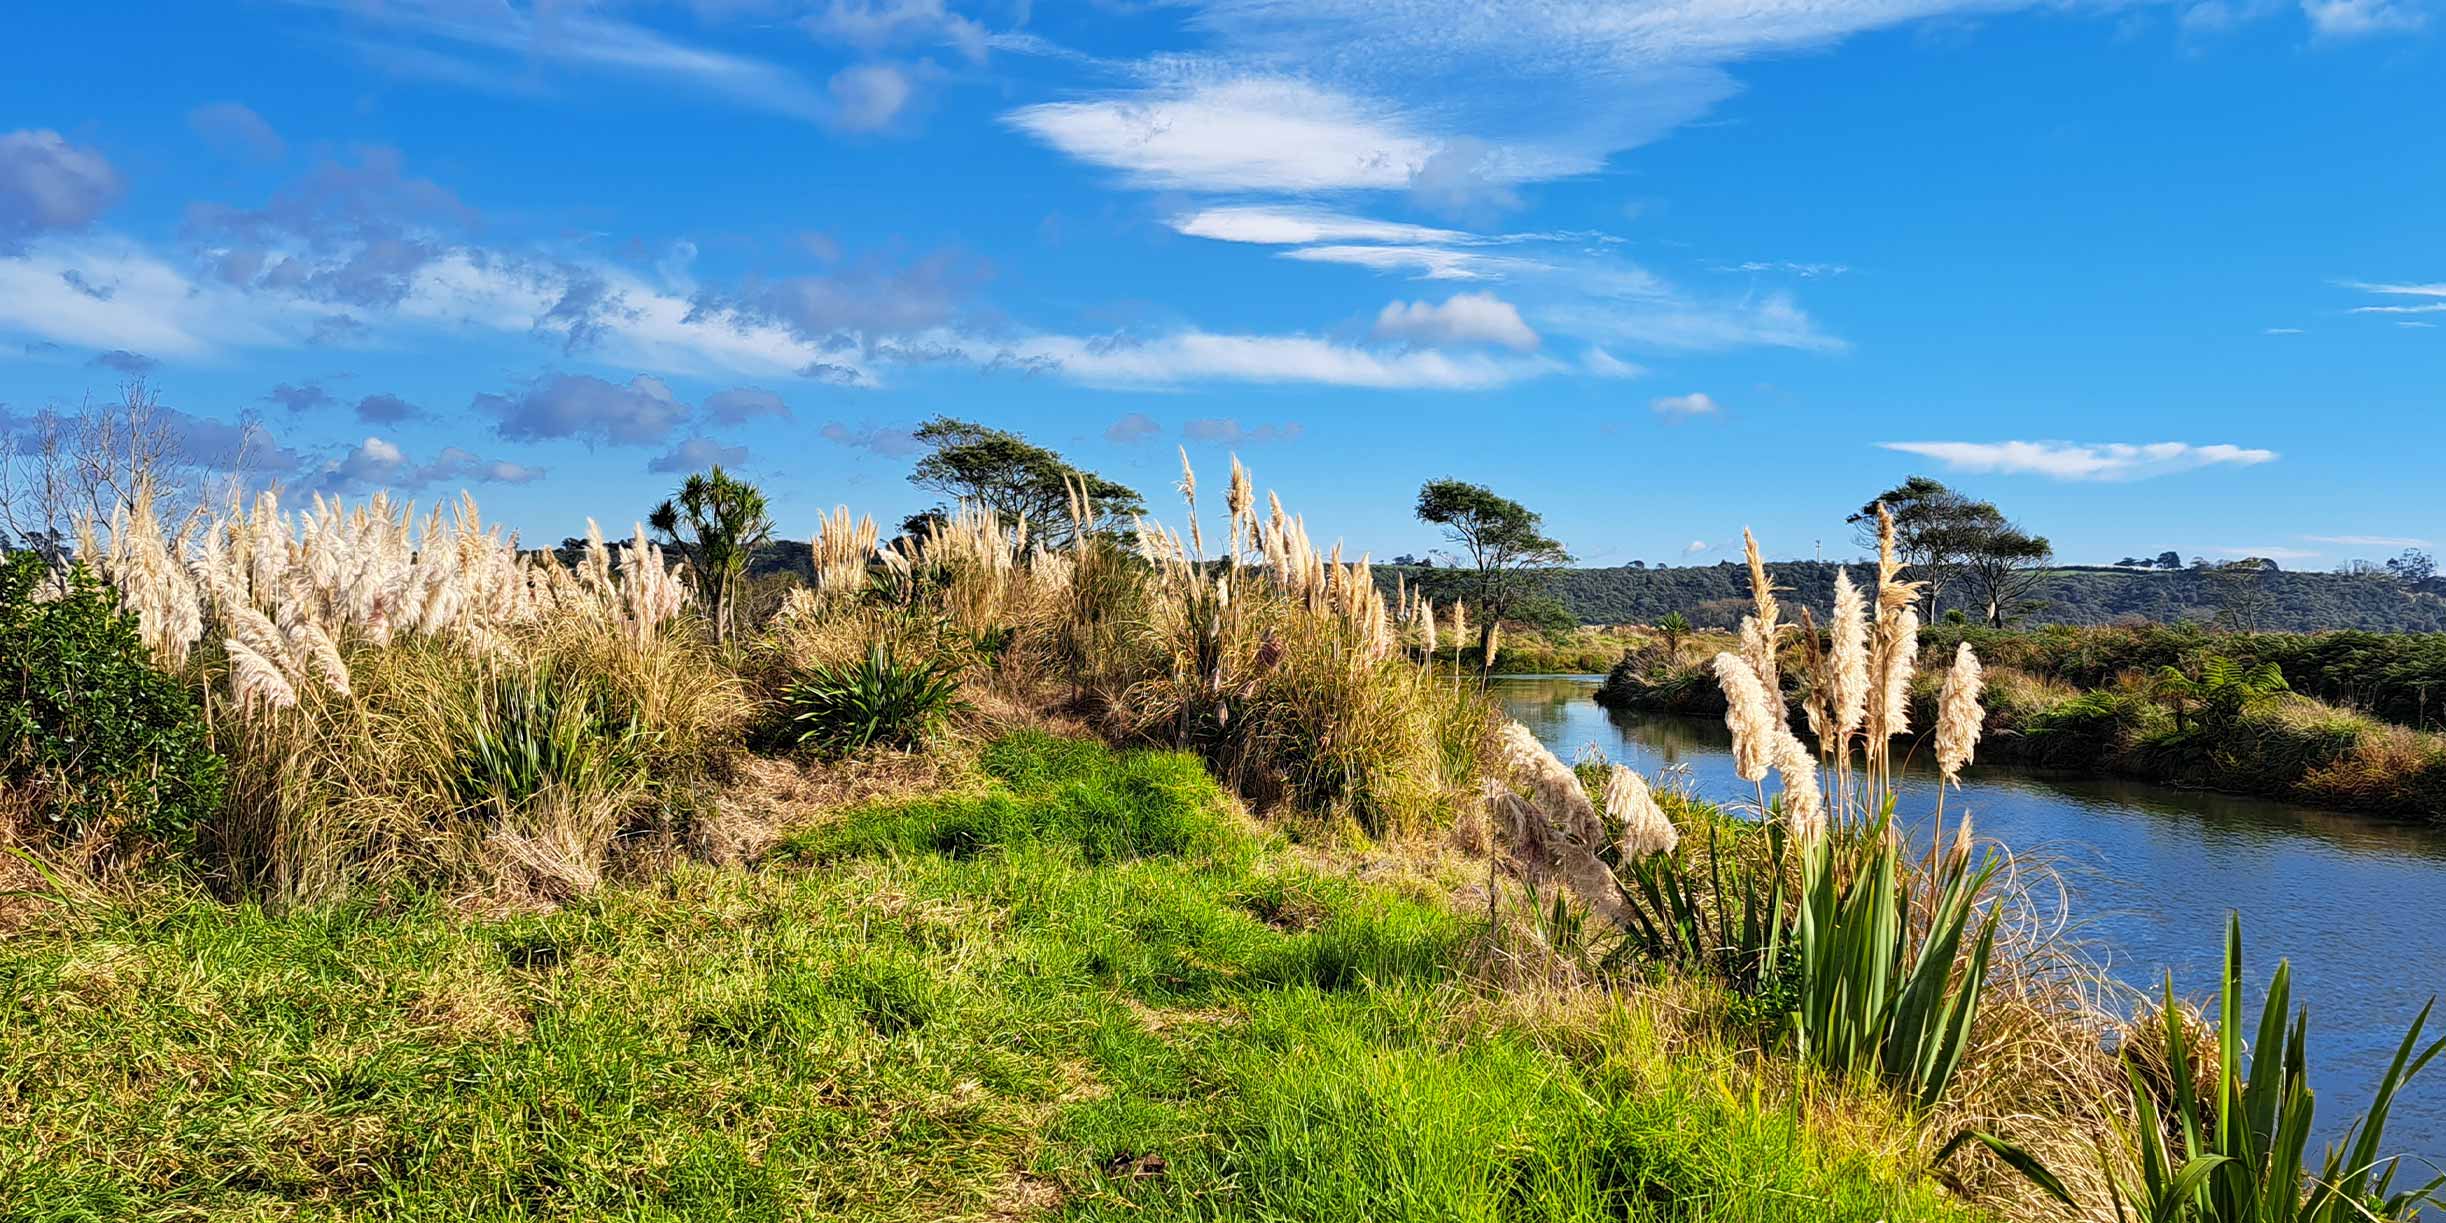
1715	596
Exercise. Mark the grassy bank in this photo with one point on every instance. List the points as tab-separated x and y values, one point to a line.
2187	732
1078	986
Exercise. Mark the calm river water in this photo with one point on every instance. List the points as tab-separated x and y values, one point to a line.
2358	905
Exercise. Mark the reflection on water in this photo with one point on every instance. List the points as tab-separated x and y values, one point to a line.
2358	905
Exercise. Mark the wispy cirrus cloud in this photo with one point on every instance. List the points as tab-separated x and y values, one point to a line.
2106	461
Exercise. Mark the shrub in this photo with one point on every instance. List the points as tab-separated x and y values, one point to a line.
97	738
881	699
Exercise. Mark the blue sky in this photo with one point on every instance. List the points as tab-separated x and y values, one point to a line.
2149	275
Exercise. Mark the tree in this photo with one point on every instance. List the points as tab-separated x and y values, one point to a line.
1502	539
2169	560
1674	626
715	524
2413	567
1015	478
2002	567
1935	530
2241	593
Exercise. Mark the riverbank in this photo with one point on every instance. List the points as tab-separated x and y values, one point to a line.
1070	983
2197	733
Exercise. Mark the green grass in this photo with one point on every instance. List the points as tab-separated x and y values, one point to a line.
1084	989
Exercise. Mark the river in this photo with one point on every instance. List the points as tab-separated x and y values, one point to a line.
2358	905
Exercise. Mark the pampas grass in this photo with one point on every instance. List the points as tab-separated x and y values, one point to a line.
1750	716
1959	718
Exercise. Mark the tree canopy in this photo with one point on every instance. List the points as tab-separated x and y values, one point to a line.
715	523
1502	539
1014	477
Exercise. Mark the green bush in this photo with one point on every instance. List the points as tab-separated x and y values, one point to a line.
540	731
879	699
90	731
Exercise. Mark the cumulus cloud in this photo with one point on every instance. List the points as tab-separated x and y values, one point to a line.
237	131
1463	318
310	397
1131	429
120	360
1695	403
890	441
586	407
1694	547
2090	461
1225	431
741	404
697	454
49	185
384	408
376	463
867	97
350	234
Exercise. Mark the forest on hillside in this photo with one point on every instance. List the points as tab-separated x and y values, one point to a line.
1714	596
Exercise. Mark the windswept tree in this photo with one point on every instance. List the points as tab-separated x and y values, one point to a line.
2002	570
1937	530
1503	540
1015	478
715	524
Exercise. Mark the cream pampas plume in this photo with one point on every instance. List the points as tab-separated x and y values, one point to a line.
1749	715
1847	660
1553	788
1760	630
1959	718
1898	648
1804	805
1628	804
1426	624
255	680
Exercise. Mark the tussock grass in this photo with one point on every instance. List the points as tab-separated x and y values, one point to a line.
1031	1025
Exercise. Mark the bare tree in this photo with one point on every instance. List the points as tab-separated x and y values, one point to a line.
62	475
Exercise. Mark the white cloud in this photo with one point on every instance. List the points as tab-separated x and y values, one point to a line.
875	24
1299	226
2281	331
2402	290
1659	317
1463	318
503	37
1606	365
2361	18
1428	262
868	97
1696	403
1251	133
376	463
2094	461
1694	547
2424	308
1199	356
